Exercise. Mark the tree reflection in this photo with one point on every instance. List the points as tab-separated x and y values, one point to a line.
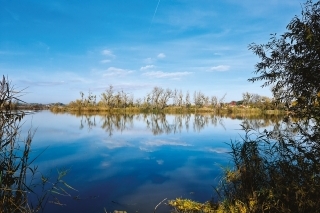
169	123
262	122
116	122
110	122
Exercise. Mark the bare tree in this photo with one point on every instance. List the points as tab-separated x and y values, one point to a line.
156	94
247	98
175	97
187	100
164	98
180	98
214	101
221	101
107	96
199	99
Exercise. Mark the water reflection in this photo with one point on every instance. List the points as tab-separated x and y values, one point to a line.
169	123
137	160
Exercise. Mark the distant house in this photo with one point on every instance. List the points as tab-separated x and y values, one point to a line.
233	103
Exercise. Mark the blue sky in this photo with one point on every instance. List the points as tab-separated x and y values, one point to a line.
55	49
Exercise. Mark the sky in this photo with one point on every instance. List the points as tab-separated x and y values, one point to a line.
53	50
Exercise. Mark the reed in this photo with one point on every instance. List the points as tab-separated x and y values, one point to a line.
19	179
274	171
235	111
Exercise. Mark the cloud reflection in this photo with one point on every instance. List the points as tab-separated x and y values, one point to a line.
164	143
113	144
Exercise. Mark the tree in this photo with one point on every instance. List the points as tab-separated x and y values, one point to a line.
246	97
108	96
199	99
214	101
187	100
156	94
291	63
180	99
175	97
278	170
164	98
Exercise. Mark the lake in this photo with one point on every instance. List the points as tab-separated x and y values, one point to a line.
133	162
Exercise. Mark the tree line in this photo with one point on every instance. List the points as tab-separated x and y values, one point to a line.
159	99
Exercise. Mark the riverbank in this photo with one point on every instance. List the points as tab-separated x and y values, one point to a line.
234	110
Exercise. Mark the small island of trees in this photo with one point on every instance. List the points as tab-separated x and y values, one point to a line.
169	101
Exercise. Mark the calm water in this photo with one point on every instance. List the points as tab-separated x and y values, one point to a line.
133	162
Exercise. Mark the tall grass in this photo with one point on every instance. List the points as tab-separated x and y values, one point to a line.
231	111
19	179
273	171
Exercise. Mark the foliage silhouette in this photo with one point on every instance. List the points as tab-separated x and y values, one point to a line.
291	63
278	170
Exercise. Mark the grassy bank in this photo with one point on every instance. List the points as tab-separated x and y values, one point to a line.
235	111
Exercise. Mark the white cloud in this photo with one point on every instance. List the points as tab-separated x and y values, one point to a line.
147	67
107	53
160	74
105	61
44	83
220	68
113	71
161	55
148	60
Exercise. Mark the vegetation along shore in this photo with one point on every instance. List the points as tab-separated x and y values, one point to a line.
170	101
